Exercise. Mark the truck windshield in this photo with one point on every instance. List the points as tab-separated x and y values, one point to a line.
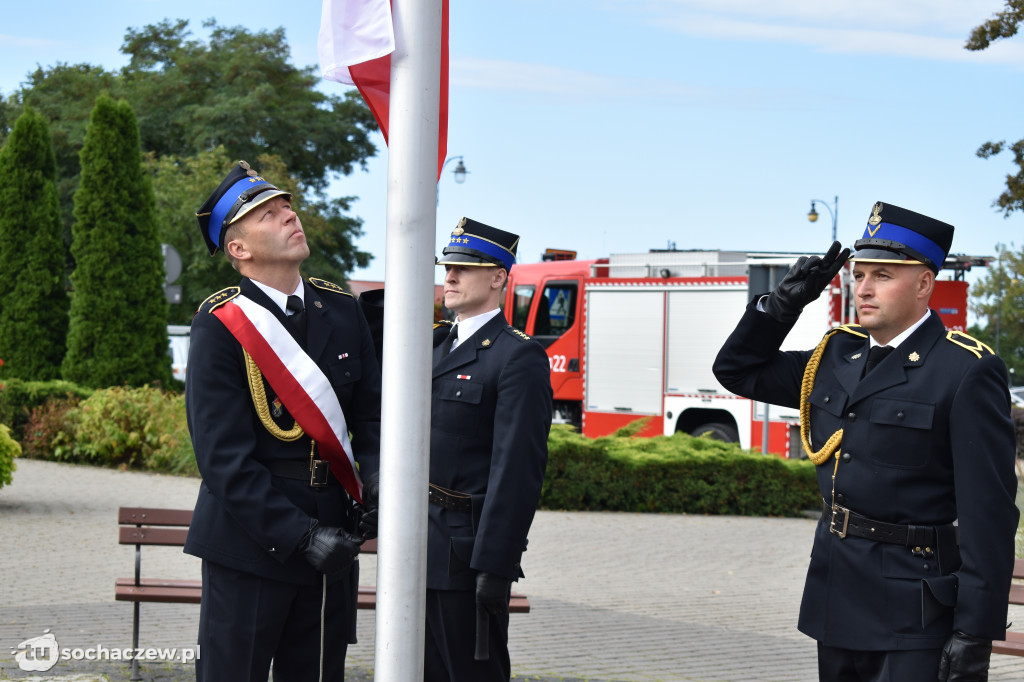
521	305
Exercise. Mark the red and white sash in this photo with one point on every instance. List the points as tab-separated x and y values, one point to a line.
300	384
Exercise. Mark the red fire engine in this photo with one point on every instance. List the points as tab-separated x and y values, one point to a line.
633	336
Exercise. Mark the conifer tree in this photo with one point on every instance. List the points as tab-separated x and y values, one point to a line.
33	295
117	332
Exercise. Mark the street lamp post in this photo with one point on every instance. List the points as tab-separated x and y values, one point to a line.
812	215
459	173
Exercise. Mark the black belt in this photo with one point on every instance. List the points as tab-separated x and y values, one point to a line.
450	499
316	472
842	522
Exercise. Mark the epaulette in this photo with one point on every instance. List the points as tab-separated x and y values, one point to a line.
854	329
516	332
218	299
328	286
443	323
968	342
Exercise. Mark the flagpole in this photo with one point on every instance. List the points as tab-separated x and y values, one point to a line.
407	351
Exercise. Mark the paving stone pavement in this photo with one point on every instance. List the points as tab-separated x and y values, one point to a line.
615	597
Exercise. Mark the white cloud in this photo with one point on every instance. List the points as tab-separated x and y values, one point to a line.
34	43
585	88
511	76
923	29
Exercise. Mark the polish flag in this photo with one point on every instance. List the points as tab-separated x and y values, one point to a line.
356	40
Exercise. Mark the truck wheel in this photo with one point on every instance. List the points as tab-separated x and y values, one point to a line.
717	431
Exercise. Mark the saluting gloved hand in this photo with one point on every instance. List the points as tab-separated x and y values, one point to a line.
965	659
328	549
492	593
804	283
368	518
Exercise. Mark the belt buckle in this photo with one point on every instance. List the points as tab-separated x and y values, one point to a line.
318	472
836	509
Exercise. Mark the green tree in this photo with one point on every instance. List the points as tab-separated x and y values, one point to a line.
117	332
181	185
998	299
238	91
33	297
1003	25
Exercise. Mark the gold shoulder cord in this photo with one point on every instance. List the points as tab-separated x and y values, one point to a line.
810	372
259	401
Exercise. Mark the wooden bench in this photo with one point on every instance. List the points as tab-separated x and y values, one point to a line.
1014	644
141	526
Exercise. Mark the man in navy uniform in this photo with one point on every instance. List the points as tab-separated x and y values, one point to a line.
907	441
280	372
490	417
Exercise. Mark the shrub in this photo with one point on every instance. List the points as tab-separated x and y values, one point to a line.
18	398
49	432
142	428
674	474
9	449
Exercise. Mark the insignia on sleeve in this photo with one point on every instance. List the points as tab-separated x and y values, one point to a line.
968	342
328	286
218	299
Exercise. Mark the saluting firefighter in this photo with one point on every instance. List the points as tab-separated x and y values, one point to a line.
490	417
909	426
280	372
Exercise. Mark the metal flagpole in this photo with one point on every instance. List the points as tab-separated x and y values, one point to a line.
408	316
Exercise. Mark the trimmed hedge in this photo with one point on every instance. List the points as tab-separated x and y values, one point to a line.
145	428
672	474
19	398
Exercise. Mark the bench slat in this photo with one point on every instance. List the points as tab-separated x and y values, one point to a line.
156	529
154	517
130	535
1014	644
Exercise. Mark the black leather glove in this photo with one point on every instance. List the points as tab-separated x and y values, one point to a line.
328	549
965	659
368	518
492	593
804	283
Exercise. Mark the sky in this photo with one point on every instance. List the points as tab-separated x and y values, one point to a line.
618	126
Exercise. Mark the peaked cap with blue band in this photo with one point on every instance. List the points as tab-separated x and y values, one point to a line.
237	194
476	244
896	235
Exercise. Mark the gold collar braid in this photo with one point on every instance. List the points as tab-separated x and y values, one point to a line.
810	372
259	401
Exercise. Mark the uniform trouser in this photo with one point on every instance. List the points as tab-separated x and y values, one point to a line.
246	621
451	641
848	665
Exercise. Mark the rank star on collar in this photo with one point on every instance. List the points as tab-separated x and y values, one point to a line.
914	357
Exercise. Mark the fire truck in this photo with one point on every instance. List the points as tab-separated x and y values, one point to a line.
633	336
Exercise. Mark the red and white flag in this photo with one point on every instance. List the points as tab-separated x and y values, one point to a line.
356	40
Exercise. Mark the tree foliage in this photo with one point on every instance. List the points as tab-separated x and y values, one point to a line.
235	96
33	297
117	331
998	299
1003	25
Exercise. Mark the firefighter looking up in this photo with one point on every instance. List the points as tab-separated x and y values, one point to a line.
909	426
489	422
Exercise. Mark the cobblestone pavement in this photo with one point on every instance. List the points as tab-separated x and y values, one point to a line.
615	597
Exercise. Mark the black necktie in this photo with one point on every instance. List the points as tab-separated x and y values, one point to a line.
446	345
297	317
875	356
